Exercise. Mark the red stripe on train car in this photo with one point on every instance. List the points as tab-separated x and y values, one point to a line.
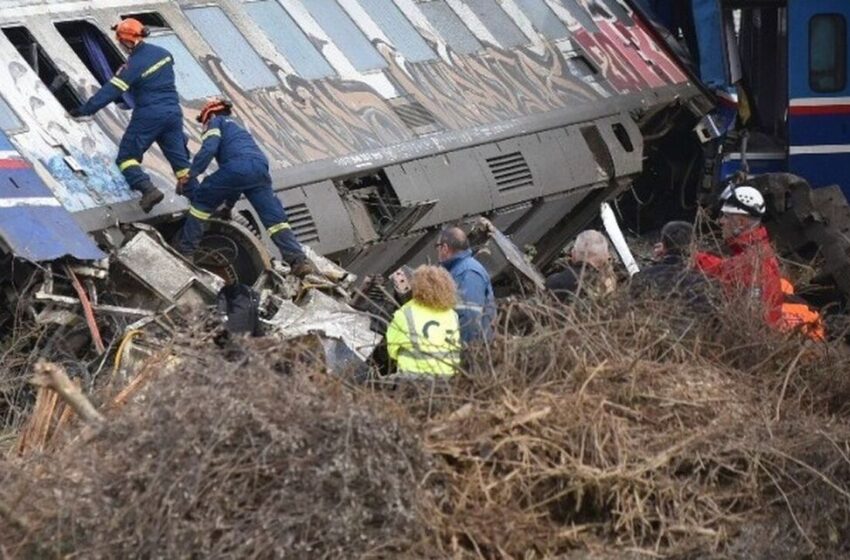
14	164
798	110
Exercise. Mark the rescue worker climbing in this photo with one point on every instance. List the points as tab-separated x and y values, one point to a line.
242	169
424	335
148	76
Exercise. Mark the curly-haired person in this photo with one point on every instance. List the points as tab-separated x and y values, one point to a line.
423	337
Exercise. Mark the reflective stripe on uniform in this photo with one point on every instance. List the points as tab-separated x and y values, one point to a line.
279	227
156	67
119	83
180	173
200	214
435	362
128	163
210	132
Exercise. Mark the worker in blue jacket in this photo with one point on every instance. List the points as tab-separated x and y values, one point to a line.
148	76
242	169
477	306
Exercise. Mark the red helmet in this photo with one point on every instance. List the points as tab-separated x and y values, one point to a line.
130	30
212	107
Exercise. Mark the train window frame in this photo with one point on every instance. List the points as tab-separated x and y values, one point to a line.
260	76
21	125
118	56
839	50
377	64
498	22
63	84
152	20
181	60
409	42
309	70
547	24
439	13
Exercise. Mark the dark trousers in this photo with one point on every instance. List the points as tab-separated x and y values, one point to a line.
252	179
145	129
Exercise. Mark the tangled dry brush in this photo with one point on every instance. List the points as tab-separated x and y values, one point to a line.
606	432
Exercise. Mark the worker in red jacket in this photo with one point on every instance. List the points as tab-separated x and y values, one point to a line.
752	270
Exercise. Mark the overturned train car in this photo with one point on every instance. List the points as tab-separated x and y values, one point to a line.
383	119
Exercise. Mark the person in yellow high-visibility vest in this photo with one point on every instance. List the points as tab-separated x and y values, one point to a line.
423	337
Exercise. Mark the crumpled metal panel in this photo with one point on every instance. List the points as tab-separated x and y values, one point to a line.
320	313
33	223
157	266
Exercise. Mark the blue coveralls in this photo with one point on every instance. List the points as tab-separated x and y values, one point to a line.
149	76
242	169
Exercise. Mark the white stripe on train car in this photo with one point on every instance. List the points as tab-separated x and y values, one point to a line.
818	101
822	149
29	201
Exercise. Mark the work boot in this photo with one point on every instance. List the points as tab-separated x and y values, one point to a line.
151	196
302	268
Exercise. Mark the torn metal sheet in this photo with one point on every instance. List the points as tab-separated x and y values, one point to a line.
163	271
320	313
33	223
511	253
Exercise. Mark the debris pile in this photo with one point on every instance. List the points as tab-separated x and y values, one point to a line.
222	455
599	432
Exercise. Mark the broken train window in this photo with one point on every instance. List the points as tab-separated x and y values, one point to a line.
38	59
96	51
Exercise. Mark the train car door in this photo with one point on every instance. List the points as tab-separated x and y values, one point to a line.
819	93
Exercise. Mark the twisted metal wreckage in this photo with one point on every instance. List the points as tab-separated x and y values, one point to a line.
384	121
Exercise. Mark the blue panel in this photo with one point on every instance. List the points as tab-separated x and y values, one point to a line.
289	40
450	27
800	13
398	30
37	229
345	35
822	170
497	22
242	62
545	21
192	81
45	233
712	50
810	130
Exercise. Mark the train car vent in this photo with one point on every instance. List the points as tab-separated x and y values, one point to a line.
415	115
510	171
302	223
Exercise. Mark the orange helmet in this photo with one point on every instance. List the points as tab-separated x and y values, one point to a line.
130	30
213	107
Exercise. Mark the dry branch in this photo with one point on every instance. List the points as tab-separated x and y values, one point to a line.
53	376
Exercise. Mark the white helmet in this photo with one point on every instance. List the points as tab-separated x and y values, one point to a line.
743	200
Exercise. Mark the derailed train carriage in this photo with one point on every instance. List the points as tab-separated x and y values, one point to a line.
383	120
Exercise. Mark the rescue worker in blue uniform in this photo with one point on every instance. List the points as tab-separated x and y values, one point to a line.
148	76
242	169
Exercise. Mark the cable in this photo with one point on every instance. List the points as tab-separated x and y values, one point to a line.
121	347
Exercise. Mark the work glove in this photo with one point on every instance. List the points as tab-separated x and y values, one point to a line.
181	184
75	113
